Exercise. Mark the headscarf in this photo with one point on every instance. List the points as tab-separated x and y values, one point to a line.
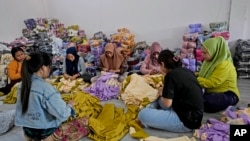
72	67
155	47
219	51
113	63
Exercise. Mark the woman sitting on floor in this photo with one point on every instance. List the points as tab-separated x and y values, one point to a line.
218	76
179	107
14	68
150	64
74	66
111	60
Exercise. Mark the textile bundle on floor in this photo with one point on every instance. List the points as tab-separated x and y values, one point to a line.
6	121
112	123
132	92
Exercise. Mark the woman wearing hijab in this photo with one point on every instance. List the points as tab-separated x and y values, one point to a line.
111	60
74	66
150	64
218	76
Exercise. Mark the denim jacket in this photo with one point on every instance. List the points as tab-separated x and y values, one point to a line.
46	107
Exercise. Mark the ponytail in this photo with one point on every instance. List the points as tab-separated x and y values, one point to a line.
26	85
31	64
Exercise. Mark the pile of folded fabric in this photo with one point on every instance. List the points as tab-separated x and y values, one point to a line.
187	51
242	58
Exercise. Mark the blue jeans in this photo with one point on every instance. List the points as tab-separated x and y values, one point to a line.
157	116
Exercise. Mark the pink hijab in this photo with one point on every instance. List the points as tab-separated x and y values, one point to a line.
155	47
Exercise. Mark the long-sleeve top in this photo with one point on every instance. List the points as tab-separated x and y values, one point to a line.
14	70
147	66
81	66
46	107
223	79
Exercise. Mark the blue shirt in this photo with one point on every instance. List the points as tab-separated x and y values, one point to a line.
46	107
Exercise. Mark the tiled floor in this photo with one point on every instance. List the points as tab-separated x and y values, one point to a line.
16	133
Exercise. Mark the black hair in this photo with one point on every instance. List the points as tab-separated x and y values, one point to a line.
31	64
14	50
169	59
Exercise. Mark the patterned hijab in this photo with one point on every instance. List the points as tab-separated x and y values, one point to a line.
72	67
219	51
115	61
155	47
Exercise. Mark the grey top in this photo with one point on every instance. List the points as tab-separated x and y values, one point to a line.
81	66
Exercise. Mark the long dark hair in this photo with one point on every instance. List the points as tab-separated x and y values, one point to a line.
14	50
169	59
31	64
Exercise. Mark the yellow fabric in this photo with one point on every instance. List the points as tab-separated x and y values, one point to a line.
183	138
85	104
132	92
1	94
14	70
136	131
223	78
11	96
112	123
156	81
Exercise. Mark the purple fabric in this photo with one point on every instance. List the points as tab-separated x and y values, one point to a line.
103	91
232	114
214	130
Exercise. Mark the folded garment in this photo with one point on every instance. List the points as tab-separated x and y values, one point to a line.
190	37
191	44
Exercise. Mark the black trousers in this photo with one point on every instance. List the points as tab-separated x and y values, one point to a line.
8	87
215	102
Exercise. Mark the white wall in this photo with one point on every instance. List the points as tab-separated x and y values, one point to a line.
12	16
239	25
151	20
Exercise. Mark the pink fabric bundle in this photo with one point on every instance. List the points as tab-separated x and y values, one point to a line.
190	37
198	55
184	50
225	34
190	50
187	44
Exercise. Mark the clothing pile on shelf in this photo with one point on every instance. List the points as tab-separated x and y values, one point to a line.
5	58
141	49
190	53
242	58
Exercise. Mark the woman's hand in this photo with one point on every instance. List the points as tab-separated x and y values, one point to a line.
104	69
75	76
154	71
114	71
160	91
66	76
71	103
196	74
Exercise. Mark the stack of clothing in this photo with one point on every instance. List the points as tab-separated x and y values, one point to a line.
242	58
188	49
